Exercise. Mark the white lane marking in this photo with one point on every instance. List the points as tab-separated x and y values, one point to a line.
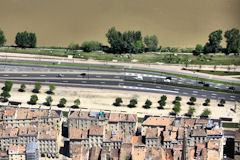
139	84
153	89
98	76
121	83
233	96
65	81
5	75
24	75
42	75
195	91
185	93
204	95
174	78
195	94
176	89
83	81
143	75
232	99
158	87
213	94
102	82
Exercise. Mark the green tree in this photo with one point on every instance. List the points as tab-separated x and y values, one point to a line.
198	49
77	102
89	46
222	102
62	102
115	39
25	39
22	88
192	100
73	46
148	104
206	112
33	99
52	87
37	87
151	43
233	41
5	95
133	103
118	101
161	103
164	97
207	101
177	107
178	99
191	110
49	101
213	46
2	38
8	86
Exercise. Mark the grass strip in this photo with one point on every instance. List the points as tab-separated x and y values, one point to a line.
230	125
188	86
219	73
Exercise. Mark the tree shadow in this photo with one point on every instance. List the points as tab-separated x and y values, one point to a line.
31	103
49	92
21	90
60	105
46	104
75	107
160	107
116	104
146	107
35	91
131	106
190	103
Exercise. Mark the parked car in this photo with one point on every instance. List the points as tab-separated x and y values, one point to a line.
232	88
167	80
83	74
170	78
200	82
206	85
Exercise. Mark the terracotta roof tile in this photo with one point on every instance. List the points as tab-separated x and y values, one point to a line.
138	153
215	131
126	150
152	133
16	149
158	121
199	132
10	112
76	133
96	130
213	144
137	141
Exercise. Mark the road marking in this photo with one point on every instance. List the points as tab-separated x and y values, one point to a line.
195	94
5	75
185	93
121	83
102	82
176	89
139	84
83	81
153	89
116	76
213	94
232	99
232	96
204	95
158	87
195	91
65	81
98	76
24	75
42	75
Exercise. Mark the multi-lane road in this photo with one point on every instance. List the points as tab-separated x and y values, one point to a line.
116	80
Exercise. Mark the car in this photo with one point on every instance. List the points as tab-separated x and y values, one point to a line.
231	88
83	74
206	85
60	75
170	78
200	82
167	80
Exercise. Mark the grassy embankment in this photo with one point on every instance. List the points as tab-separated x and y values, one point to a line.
219	73
142	58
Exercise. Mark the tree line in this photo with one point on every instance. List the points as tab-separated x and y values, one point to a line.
133	42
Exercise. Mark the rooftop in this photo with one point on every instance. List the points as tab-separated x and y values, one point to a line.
16	149
158	121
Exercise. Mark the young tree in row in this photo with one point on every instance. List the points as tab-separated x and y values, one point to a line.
2	38
33	100
161	104
62	102
191	110
222	102
8	86
37	87
164	97
148	104
192	100
207	101
22	88
118	101
76	103
177	107
51	89
132	103
5	95
49	101
177	99
206	112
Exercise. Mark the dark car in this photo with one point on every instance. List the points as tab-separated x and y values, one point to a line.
83	74
170	78
206	85
232	88
200	82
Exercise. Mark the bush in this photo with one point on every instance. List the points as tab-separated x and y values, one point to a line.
76	103
192	100
222	102
51	89
33	100
177	107
132	103
206	112
5	95
191	110
62	102
89	46
22	88
73	46
49	101
148	104
198	50
37	87
118	101
207	101
8	86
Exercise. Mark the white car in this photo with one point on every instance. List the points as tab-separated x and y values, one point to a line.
167	80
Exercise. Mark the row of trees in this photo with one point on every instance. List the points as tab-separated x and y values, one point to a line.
23	39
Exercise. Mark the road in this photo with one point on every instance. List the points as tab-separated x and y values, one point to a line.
116	82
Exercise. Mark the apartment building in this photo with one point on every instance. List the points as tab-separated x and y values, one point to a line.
17	152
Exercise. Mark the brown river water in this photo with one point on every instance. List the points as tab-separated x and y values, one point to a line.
179	23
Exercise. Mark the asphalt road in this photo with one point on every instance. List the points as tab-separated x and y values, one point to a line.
154	77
